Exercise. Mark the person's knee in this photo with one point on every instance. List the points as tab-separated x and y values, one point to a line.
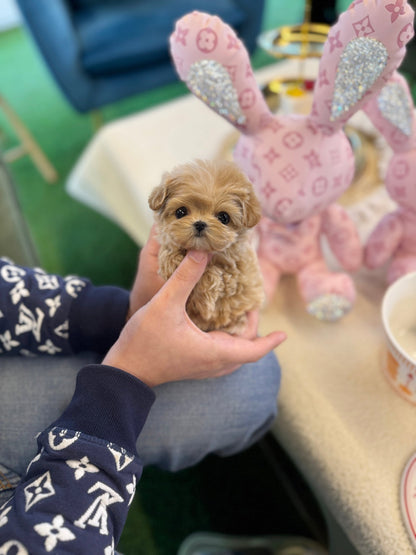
223	416
258	404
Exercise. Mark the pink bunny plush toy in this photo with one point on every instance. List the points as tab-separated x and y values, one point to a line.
299	165
394	238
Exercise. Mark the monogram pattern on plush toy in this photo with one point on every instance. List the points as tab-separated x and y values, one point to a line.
300	165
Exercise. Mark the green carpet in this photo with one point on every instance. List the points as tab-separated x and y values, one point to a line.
235	495
238	495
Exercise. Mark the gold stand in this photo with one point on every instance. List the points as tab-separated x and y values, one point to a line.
28	145
305	40
302	41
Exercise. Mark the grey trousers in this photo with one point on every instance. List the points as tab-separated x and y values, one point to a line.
189	419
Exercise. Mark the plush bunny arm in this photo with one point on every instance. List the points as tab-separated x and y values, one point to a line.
392	113
384	240
342	237
215	65
362	50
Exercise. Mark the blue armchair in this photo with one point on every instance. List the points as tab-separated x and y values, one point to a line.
100	51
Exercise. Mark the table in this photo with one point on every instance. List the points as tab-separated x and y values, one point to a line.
349	433
343	425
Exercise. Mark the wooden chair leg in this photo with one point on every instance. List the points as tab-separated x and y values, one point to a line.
28	145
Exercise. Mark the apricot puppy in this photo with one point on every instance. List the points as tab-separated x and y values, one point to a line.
211	206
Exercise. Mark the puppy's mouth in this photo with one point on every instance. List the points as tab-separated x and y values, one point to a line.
202	239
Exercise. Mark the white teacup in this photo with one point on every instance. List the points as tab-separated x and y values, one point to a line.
399	322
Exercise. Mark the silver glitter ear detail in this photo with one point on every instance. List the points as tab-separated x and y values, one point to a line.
211	82
395	106
361	62
329	308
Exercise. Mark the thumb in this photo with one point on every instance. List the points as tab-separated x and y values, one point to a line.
186	275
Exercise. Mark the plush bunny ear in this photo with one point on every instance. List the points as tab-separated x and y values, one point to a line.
215	65
362	50
393	114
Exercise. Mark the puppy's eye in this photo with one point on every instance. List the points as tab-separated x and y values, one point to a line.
224	218
181	212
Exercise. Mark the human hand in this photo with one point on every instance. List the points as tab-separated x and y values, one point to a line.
147	281
161	344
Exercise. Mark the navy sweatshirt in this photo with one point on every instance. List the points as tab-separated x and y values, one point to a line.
75	495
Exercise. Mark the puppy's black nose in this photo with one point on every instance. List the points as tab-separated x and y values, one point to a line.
199	226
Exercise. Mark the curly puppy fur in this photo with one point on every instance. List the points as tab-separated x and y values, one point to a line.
211	206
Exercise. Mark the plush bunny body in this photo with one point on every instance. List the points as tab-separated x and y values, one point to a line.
299	165
294	222
394	238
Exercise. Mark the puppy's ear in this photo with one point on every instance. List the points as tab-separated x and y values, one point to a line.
251	209
159	195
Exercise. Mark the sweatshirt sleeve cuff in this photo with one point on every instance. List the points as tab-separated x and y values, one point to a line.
97	317
109	404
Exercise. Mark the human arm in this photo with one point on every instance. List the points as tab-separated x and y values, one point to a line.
83	478
49	314
108	409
